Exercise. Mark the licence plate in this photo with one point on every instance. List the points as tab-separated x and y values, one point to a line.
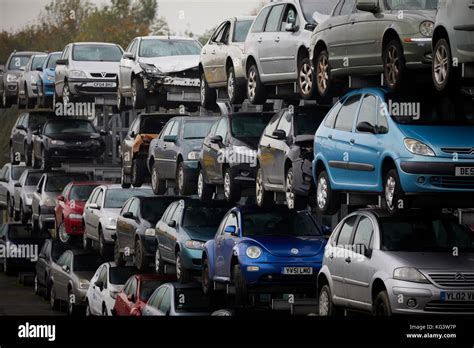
448	296
465	171
297	270
103	84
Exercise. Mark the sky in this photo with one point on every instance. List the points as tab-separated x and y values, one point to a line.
192	15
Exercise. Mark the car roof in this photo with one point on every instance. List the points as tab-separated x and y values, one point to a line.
67	119
26	53
94	43
177	285
119	186
383	213
195	118
86	183
151	114
379	91
41	112
164	37
255	114
193	202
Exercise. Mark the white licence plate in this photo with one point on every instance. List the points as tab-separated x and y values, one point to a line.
467	296
297	270
103	84
464	171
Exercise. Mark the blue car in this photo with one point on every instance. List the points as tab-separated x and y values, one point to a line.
260	250
46	88
415	150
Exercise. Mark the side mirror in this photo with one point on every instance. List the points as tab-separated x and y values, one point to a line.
39	68
61	198
38	190
3	180
22	68
230	229
65	268
17	184
131	298
279	134
170	138
291	27
217	139
99	284
102	132
20	127
368	6
128	215
35	132
366	127
128	55
326	230
132	134
172	224
62	62
94	206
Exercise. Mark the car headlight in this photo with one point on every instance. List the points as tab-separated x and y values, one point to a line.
30	195
193	155
50	78
150	232
410	275
194	244
427	28
75	217
49	202
418	148
111	223
12	78
149	68
58	142
253	252
83	283
77	74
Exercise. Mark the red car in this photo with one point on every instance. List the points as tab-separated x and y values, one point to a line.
136	292
69	209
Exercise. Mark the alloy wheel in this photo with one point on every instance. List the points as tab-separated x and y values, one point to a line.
231	86
200	185
259	188
290	196
63	236
323	73
66	95
178	267
181	179
392	65
441	65
134	94
323	304
306	79
390	186
157	260
227	185
203	91
322	193
252	84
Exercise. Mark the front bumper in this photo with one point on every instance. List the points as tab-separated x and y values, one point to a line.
418	51
11	89
191	170
243	174
108	233
93	87
72	152
191	259
74	227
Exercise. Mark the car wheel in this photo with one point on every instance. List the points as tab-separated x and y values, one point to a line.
86	242
10	207
27	154
29	102
103	250
185	187
204	190
45	163
63	236
393	193
326	306
140	260
235	91
327	200
118	255
37	286
120	102
394	64
34	224
53	302
138	94
124	179
159	263
208	95
67	96
293	200
256	91
240	287
23	216
207	284
445	75
182	274
263	197
232	191
382	304
306	86
323	75
138	169
158	185
19	101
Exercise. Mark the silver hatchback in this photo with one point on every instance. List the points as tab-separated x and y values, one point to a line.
413	264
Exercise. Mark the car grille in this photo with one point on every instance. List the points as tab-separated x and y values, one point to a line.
107	76
458	307
459	150
190	74
197	262
452	182
453	280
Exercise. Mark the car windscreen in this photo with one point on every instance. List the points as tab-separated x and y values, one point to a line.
57	250
307	122
17	171
453	110
197	129
425	234
86	263
16	232
152	208
150	48
96	53
279	224
191	300
153	125
74	127
37	62
37	120
52	61
396	5
147	288
251	126
203	216
81	193
17	62
323	7
115	198
120	275
33	179
241	30
56	183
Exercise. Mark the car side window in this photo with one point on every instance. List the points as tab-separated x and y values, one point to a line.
212	132
24	121
40	184
290	17
125	208
66	53
177	214
134	208
62	259
220	230
382	118
169	212
337	9
216	37
6	175
348	7
285	123
93	195
175	130
165	304
103	276
126	287
368	110
99	197
273	21
132	290
232	221
345	234
260	20
345	118
364	233
133	48
225	34
42	253
222	128
158	297
331	117
272	125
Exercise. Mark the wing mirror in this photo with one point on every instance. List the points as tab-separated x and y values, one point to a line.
39	68
62	62
132	134
366	127
65	268
131	298
291	27
128	215
368	6
172	224
231	230
103	132
99	284
18	184
60	198
279	134
35	132
128	55
170	138
20	127
217	139
94	206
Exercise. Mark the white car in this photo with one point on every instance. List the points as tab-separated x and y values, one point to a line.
104	287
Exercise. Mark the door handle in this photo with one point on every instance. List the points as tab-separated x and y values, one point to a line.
330	136
348	260
352	141
471	6
277	39
331	256
330	26
269	146
260	40
213	52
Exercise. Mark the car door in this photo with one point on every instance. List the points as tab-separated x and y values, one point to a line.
60	71
94	303
96	214
41	264
127	145
221	55
133	223
4	174
161	149
126	67
37	196
61	278
286	43
87	214
208	161
122	304
162	230
216	151
224	245
171	236
218	240
280	148
270	44
16	137
170	152
208	54
122	230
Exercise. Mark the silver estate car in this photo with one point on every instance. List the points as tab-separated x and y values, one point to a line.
221	61
420	263
453	41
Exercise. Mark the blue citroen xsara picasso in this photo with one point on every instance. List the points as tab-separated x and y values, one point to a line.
407	148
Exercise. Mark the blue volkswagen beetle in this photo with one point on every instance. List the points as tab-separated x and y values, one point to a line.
46	89
264	251
414	149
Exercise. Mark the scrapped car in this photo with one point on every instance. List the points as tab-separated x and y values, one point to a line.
220	64
228	157
176	299
285	155
173	156
136	145
70	278
100	214
46	81
453	43
277	47
104	287
369	37
413	150
29	80
385	265
9	176
181	234
21	137
264	250
86	70
50	253
11	75
23	193
153	65
64	141
135	233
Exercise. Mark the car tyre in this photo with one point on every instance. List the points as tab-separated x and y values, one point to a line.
240	285
325	304
45	163
445	75
118	255
306	86
138	170
159	263
138	94
158	185
37	286
327	201
29	102
23	215
293	200
323	78
394	197
61	233
27	154
382	304
232	191
256	91
140	259
207	283
235	90
124	179
53	302
182	274
394	64
103	247
204	190
264	198
86	242
185	186
208	94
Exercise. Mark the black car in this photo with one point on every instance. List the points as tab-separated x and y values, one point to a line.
21	245
136	144
174	155
136	229
228	156
22	134
49	253
66	140
285	155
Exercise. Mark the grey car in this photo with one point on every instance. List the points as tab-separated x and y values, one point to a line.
11	74
418	263
453	43
370	37
277	47
23	193
220	64
70	277
29	80
9	176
